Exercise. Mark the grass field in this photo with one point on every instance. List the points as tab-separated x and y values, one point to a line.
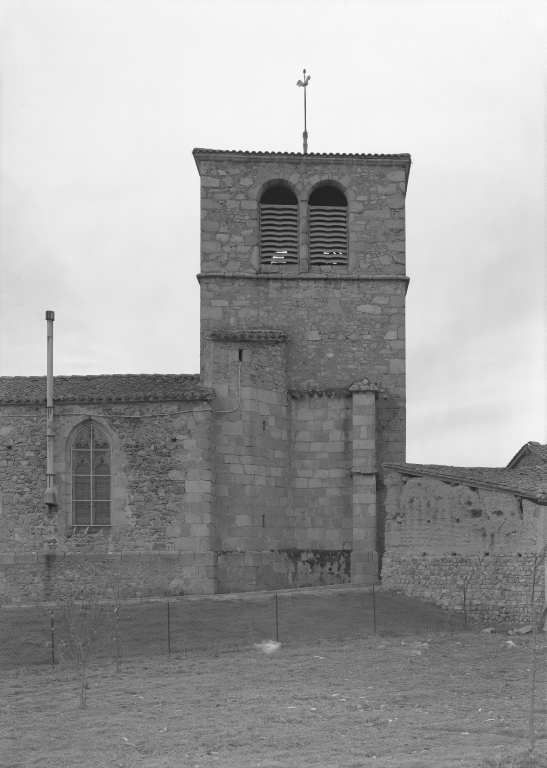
457	700
229	622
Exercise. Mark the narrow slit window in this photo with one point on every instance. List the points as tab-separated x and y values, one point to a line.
278	227
91	477
328	212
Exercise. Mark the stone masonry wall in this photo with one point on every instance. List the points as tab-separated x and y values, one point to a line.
428	516
498	587
321	513
282	569
31	578
161	494
339	332
231	188
443	536
251	446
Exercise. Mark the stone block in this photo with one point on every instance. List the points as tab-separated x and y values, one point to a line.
148	556
131	557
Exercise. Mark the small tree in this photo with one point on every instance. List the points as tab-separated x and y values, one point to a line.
87	625
115	588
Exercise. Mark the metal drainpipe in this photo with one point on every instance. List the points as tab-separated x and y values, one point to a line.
50	496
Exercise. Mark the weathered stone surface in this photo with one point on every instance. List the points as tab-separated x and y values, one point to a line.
443	537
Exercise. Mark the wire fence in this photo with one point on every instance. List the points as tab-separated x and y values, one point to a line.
127	629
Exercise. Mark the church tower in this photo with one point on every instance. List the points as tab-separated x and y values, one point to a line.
302	340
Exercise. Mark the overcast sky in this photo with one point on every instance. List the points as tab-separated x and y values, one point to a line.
103	101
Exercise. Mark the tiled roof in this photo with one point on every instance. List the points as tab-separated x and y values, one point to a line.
114	388
258	335
200	150
537	449
528	482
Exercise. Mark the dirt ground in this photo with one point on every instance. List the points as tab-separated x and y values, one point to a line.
442	701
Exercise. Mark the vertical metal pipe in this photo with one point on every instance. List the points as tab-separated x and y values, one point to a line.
374	608
276	619
50	476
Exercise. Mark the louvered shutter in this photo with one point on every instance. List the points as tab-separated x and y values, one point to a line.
278	234
328	235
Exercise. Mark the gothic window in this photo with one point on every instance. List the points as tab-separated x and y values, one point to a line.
278	227
91	475
328	212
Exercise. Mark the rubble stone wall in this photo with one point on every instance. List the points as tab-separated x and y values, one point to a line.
442	537
32	578
498	587
161	484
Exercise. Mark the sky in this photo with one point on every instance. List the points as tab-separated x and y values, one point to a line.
102	102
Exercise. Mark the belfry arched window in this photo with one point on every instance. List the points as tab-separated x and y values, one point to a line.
278	226
91	477
328	211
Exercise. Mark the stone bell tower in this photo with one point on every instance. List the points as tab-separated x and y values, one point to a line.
302	339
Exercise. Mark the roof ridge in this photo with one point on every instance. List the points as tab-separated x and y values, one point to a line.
301	154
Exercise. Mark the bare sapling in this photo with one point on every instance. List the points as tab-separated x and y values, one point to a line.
87	625
115	588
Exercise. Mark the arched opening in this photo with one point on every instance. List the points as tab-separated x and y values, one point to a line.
278	226
328	210
91	461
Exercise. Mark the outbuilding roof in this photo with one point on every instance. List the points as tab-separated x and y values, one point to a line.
537	449
112	388
527	482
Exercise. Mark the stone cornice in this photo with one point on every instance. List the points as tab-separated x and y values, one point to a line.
259	335
313	158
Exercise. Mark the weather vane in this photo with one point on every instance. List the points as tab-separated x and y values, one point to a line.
303	84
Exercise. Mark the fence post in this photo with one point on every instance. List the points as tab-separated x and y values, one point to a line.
168	630
276	619
52	642
464	608
374	608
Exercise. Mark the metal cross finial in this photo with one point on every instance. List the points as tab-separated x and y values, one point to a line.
305	134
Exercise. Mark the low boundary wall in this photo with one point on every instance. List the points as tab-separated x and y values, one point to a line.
498	587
